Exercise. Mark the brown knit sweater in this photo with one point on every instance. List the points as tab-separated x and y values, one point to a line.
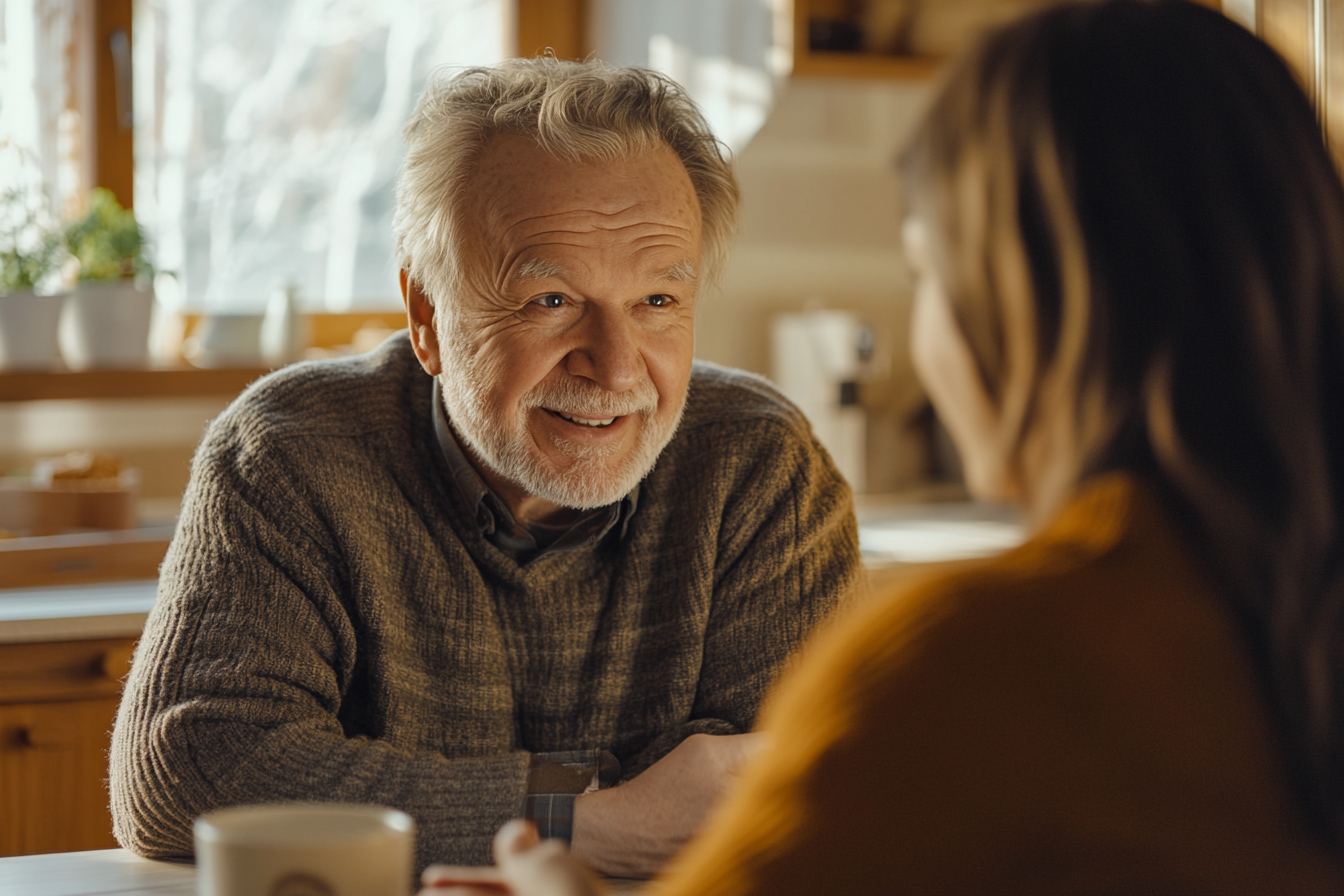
331	625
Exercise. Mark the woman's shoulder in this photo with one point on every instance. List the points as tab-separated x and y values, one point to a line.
1093	583
1094	673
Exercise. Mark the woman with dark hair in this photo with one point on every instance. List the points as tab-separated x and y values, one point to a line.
1129	241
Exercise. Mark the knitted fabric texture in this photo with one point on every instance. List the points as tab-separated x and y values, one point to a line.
331	625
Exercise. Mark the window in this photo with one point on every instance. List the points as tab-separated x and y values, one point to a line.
267	133
269	137
45	128
728	54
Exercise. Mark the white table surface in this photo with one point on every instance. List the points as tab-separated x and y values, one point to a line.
101	871
116	872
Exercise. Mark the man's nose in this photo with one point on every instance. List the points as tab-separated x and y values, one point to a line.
608	351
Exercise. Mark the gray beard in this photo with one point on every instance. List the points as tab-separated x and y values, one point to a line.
595	476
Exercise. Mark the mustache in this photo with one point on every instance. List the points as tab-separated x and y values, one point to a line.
583	398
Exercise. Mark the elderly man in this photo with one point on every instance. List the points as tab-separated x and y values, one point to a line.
450	593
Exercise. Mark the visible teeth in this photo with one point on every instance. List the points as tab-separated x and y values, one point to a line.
587	421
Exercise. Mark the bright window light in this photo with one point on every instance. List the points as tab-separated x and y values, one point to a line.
268	138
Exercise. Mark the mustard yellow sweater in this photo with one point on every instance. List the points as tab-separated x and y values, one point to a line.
1077	716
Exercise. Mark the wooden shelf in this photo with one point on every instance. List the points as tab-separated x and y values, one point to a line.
829	64
170	383
110	556
864	65
323	330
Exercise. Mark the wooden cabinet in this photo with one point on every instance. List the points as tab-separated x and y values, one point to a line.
835	38
811	58
57	705
83	558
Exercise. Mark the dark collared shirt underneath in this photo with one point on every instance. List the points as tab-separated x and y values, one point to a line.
523	543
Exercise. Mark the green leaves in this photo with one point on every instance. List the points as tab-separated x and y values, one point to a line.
108	242
30	251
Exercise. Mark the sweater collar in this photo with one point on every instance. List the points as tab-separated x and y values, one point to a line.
497	524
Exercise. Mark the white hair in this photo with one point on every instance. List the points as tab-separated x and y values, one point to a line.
578	112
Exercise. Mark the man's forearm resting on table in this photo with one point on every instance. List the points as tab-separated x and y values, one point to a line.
634	829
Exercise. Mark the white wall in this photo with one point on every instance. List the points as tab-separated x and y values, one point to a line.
821	220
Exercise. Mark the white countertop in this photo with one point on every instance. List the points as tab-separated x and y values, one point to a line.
102	871
892	532
75	612
935	532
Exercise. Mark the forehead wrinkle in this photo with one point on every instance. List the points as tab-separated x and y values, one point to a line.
653	241
630	234
564	209
573	221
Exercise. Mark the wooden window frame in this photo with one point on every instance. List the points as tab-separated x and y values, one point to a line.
112	150
561	26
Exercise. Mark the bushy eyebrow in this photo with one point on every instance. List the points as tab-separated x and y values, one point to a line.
683	271
539	269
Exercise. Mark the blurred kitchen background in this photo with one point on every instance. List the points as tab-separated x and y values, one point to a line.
258	143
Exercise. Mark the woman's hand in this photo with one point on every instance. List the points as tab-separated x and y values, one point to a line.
524	866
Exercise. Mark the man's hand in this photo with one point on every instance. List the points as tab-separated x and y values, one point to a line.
632	830
628	831
524	867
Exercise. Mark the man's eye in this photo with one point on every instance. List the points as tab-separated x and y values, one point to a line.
658	300
550	300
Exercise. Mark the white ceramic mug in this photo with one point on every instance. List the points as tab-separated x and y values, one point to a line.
305	849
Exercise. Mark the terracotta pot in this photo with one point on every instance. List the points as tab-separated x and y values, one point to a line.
107	325
28	324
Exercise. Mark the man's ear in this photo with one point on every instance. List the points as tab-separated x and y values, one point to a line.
420	317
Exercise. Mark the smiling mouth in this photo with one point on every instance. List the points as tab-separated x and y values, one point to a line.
594	422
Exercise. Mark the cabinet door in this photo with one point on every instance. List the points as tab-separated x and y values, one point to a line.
53	772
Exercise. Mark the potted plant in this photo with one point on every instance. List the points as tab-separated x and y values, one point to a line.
30	258
108	315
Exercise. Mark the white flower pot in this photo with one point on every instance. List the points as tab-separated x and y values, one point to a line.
28	325
107	325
